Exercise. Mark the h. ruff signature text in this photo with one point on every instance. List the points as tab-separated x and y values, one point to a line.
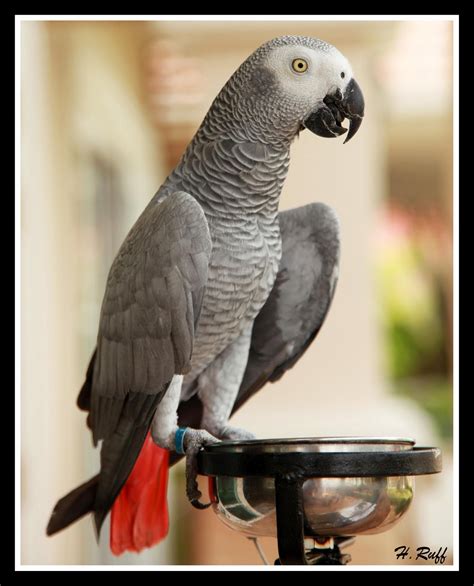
422	553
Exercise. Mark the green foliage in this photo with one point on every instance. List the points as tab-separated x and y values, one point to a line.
411	317
435	395
412	321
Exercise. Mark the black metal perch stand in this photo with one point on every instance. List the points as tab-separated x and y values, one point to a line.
290	469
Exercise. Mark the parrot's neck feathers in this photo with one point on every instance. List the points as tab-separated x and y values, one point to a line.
231	178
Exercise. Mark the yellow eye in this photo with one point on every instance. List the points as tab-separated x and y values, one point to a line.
299	65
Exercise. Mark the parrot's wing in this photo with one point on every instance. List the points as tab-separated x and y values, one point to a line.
151	306
296	307
300	299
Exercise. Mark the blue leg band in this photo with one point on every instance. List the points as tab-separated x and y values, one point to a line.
179	439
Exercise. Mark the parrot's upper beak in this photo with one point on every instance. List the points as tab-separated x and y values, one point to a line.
327	119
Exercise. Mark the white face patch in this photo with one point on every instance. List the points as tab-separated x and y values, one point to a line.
318	72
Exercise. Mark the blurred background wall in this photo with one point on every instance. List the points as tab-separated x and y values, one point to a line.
107	109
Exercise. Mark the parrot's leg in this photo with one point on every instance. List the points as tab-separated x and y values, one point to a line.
165	420
163	432
218	387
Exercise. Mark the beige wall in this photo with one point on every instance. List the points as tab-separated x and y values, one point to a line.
81	93
50	451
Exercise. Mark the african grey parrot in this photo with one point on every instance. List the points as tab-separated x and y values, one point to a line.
213	292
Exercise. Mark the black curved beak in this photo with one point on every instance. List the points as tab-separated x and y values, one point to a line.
327	119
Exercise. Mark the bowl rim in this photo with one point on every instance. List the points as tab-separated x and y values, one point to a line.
336	440
294	465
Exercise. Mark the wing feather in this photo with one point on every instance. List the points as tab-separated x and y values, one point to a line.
151	305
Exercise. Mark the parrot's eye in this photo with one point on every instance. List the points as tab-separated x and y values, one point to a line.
299	65
343	75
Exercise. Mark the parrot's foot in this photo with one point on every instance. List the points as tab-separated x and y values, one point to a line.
236	433
226	432
194	440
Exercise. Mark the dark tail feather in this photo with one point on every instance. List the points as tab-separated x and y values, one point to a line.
84	397
73	506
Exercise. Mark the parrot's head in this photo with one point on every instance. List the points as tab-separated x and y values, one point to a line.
293	82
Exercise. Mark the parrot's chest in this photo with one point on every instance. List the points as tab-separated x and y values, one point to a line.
242	270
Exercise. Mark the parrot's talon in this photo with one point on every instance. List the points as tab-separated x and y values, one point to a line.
194	441
198	505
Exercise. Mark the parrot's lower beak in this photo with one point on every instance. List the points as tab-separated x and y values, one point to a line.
327	119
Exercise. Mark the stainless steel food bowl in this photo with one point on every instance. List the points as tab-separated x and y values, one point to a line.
337	502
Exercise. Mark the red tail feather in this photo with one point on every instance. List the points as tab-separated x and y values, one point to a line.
140	512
